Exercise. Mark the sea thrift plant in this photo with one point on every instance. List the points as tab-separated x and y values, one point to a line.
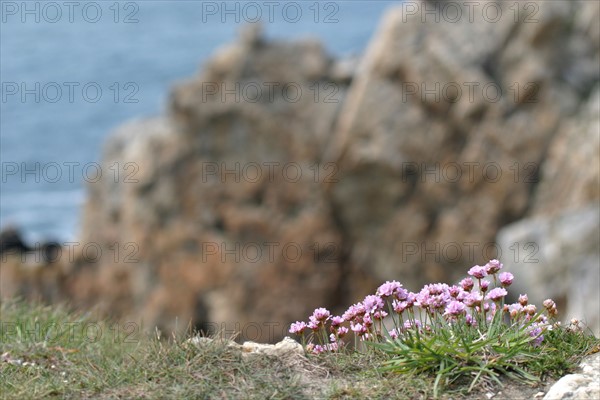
454	331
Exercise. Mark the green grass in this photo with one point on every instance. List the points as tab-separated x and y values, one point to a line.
43	359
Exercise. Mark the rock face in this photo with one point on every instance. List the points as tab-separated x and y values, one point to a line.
430	170
555	252
280	179
227	214
557	257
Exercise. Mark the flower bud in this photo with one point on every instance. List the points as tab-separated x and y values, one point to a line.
549	303
523	299
530	309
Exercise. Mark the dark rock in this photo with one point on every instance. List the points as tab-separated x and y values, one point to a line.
12	241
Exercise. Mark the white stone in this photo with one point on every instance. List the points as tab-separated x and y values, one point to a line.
584	385
284	348
287	347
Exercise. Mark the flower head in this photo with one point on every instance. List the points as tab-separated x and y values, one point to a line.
373	303
298	327
493	266
321	314
496	294
342	331
467	284
455	308
434	296
353	311
390	288
336	321
410	323
530	309
548	303
523	299
473	299
399	306
506	278
381	314
478	272
484	285
550	306
313	324
490	307
411	299
454	291
358	329
536	333
515	309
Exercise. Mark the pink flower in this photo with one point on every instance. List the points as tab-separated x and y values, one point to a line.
389	289
478	272
473	299
408	324
506	278
321	314
455	308
423	299
336	321
358	329
298	327
411	298
394	334
436	288
454	291
401	294
470	320
467	284
490	307
354	311
399	306
493	266
496	294
342	331
373	303
312	324
380	314
462	295
484	285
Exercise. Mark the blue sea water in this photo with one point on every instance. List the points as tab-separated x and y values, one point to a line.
72	72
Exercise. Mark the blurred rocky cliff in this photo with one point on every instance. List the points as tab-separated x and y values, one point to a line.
280	179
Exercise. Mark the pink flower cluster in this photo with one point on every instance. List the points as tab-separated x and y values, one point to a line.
435	306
